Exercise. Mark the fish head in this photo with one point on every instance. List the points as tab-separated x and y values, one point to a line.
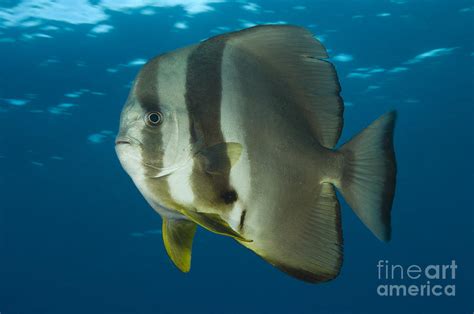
151	141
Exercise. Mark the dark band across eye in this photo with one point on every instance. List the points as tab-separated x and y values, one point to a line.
154	118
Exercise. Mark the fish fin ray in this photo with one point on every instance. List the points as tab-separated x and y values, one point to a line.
217	157
312	82
313	252
214	223
178	235
369	175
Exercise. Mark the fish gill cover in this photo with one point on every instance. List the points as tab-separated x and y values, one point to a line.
76	237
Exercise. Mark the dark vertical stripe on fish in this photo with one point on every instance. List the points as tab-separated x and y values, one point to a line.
147	86
204	90
242	220
146	93
203	101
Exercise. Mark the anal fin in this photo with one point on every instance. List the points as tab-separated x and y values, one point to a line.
311	249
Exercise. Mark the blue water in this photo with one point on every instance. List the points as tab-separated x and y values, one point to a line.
77	237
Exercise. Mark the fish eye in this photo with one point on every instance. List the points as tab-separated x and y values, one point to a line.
153	118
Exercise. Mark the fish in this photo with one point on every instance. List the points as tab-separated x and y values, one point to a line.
237	134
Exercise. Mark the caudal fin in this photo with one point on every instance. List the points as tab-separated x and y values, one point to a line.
369	174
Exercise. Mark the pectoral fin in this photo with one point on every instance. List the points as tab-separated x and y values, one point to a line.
215	223
178	237
220	157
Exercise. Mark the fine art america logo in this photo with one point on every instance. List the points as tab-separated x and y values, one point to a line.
416	280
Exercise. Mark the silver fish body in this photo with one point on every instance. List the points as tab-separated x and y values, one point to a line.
238	133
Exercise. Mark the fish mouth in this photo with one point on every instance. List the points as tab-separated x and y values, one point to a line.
121	142
126	140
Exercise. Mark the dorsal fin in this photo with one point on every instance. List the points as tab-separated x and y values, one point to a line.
294	55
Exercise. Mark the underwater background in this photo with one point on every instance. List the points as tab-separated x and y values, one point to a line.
77	237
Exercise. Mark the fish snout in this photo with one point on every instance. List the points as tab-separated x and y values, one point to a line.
129	155
122	141
126	140
126	146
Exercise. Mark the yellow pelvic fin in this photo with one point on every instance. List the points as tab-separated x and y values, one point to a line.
178	237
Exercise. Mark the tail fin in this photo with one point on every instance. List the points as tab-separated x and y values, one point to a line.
369	174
